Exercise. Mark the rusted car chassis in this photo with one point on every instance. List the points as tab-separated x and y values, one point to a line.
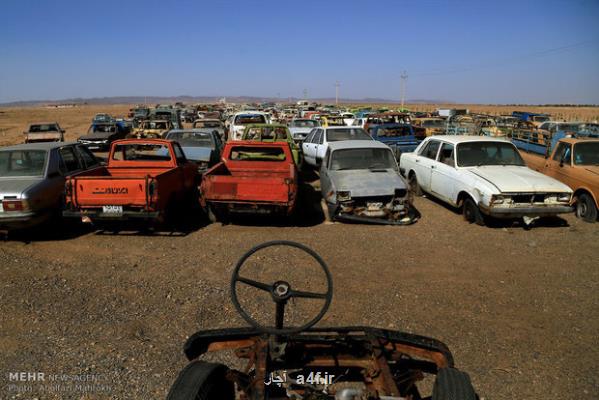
383	362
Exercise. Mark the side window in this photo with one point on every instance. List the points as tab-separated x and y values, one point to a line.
310	136
87	157
446	154
325	161
562	153
431	150
320	137
68	160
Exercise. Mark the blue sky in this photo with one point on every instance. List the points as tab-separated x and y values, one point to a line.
464	51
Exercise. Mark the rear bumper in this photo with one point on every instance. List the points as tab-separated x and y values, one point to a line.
534	211
21	220
253	207
98	215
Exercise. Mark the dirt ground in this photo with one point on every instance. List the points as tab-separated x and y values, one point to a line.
518	308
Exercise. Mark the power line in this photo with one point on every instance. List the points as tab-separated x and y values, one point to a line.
508	61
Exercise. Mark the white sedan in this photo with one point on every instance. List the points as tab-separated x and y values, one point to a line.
316	143
485	177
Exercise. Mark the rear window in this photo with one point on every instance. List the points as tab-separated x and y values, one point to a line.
207	124
305	123
243	153
141	152
250	119
22	163
192	139
335	135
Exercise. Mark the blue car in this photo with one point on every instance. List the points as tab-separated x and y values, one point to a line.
402	138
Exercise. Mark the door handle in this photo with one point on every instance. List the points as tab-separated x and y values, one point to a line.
417	160
433	167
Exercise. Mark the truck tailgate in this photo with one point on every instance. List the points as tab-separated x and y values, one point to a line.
97	191
243	189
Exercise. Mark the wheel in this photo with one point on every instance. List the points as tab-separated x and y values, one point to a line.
471	212
413	184
202	381
211	215
586	208
452	384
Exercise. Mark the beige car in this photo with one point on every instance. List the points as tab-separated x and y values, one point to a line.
152	129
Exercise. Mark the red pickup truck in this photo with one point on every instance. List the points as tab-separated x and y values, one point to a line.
252	177
145	179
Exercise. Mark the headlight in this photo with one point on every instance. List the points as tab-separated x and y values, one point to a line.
343	195
564	197
499	199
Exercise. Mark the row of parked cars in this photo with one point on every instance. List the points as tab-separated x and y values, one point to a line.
362	178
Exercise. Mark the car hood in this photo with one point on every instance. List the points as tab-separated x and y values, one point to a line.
511	178
363	183
97	136
197	153
17	186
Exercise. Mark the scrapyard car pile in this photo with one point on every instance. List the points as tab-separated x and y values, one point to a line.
237	161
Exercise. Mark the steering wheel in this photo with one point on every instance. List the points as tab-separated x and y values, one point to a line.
281	291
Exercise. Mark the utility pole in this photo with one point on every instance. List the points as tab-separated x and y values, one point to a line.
306	94
337	94
404	78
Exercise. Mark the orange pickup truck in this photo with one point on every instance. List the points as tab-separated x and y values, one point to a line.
145	179
573	161
253	177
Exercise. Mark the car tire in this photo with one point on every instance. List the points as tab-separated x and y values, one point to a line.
452	384
586	208
202	381
414	185
472	213
211	215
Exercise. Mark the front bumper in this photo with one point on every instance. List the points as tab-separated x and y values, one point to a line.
525	211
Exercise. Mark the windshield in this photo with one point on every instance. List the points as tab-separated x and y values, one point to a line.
367	158
257	153
43	128
539	118
156	125
434	123
487	153
266	133
141	152
207	124
586	153
394	131
103	128
250	119
304	123
334	135
22	163
192	139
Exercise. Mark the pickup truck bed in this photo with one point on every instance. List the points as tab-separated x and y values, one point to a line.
251	186
147	189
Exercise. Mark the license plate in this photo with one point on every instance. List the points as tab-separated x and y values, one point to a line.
113	210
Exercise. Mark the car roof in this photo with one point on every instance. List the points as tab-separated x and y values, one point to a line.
357	144
333	128
38	146
455	139
44	123
194	130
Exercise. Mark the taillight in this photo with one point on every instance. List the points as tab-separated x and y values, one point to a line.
15	205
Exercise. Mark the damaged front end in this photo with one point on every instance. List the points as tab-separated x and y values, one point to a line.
387	210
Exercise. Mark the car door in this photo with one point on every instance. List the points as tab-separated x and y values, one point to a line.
558	166
306	145
321	146
312	147
425	162
444	174
325	180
